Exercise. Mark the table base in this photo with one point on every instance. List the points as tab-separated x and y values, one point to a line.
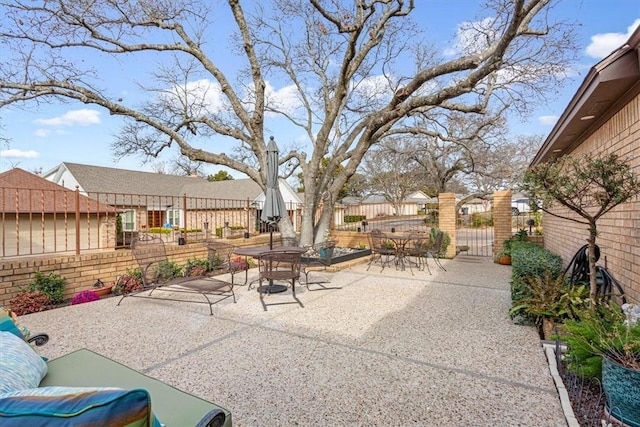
272	289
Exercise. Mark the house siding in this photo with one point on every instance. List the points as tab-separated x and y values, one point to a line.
619	230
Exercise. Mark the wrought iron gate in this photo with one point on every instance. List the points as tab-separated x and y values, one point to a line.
474	233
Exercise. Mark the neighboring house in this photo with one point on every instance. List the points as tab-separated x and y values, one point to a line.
39	216
376	205
150	200
603	117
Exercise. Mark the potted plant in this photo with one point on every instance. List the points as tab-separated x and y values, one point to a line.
606	343
504	256
100	289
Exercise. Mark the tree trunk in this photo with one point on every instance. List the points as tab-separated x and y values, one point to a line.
593	289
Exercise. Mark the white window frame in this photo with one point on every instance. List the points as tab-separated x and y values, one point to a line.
124	215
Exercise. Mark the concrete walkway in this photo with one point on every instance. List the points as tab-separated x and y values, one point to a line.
386	349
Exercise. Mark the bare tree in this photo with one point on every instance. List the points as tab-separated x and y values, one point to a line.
344	66
392	173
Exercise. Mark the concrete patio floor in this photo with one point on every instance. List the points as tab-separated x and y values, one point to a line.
386	349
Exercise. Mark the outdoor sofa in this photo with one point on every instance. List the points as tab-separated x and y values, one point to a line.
87	388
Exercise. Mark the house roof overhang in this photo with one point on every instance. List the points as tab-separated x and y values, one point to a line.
608	86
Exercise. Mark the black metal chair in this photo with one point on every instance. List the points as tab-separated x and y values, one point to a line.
220	255
320	256
435	250
278	265
381	247
418	246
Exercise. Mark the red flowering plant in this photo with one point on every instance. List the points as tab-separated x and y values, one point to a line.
84	296
130	282
29	302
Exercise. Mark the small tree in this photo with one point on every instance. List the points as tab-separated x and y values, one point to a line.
589	186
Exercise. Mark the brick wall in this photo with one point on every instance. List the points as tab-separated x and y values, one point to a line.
447	220
502	216
82	271
619	230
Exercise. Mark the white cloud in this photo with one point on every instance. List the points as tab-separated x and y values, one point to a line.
83	117
473	37
547	120
284	99
42	133
18	154
603	44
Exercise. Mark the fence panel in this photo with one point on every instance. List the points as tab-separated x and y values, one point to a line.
36	222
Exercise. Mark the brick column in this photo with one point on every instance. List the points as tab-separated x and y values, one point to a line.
447	219
502	217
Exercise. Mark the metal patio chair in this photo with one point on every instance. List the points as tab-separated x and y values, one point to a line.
381	247
220	255
150	255
324	251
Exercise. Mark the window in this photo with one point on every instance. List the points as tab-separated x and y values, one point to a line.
129	220
173	217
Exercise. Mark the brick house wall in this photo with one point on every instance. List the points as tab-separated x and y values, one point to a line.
619	230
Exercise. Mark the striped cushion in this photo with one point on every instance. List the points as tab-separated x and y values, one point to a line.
75	406
20	365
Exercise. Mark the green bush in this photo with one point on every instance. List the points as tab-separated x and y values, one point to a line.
233	227
354	218
196	267
51	286
166	270
530	260
446	240
481	219
160	230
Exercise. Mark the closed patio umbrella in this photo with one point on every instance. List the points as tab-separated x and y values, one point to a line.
274	206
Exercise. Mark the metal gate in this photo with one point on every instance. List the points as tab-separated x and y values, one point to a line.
474	232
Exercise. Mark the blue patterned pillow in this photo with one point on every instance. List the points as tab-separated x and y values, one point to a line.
20	365
77	406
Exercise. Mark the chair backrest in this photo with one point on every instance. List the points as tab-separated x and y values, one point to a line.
148	252
379	241
418	242
437	245
280	264
219	253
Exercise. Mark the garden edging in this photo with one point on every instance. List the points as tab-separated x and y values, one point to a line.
550	352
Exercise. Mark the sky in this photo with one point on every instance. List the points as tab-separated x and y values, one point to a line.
41	137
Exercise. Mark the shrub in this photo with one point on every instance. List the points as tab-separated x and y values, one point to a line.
29	302
550	297
529	260
84	296
196	267
127	283
51	285
166	270
354	218
446	240
481	219
233	227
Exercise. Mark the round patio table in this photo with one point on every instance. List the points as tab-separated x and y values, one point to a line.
256	251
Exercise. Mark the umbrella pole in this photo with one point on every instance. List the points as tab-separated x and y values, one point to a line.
270	236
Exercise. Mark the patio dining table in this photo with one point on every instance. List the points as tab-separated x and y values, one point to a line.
257	251
400	240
